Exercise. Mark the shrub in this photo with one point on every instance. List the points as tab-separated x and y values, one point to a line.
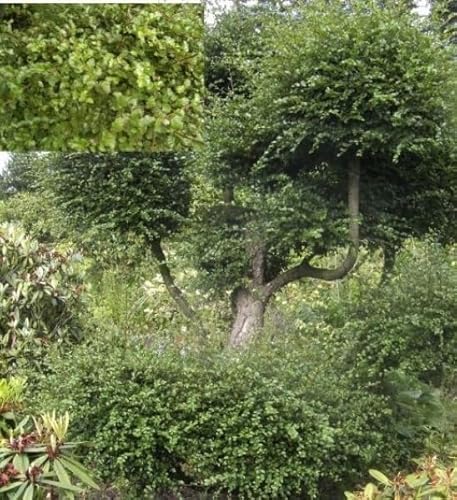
39	296
408	323
262	424
432	478
37	214
37	462
11	399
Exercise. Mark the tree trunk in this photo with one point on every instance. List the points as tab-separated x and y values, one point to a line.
248	317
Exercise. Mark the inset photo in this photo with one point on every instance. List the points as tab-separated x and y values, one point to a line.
101	77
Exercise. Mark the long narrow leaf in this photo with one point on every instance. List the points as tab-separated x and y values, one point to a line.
20	491
38	462
6	461
28	494
11	486
35	449
56	484
61	472
79	471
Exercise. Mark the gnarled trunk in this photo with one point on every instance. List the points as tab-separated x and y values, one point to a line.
248	317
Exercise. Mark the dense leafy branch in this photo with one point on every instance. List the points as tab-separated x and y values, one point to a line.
305	269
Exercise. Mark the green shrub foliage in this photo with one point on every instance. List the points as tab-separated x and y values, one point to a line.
138	193
408	323
265	424
39	296
100	77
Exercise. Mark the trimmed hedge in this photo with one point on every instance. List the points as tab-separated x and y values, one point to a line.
260	425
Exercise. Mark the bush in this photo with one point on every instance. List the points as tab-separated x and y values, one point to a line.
407	323
130	77
37	214
39	296
262	424
37	461
432	478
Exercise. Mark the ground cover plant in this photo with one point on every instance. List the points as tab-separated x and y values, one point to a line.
101	77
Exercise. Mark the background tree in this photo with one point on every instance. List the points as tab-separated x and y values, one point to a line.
18	174
444	14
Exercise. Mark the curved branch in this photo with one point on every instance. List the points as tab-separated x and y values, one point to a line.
169	282
305	269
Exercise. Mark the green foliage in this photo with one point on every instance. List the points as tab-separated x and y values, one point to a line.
444	15
39	296
36	461
132	301
18	174
325	83
234	46
289	219
268	423
432	479
130	77
37	213
347	79
11	399
409	323
138	193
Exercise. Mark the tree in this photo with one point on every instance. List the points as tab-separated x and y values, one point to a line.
346	120
444	14
100	77
141	194
19	174
336	134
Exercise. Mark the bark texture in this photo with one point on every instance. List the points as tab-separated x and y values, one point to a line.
249	313
249	303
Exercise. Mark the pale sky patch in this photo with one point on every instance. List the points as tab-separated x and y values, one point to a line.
4	157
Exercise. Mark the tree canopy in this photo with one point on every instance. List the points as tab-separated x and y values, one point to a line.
100	77
334	85
334	132
140	193
337	83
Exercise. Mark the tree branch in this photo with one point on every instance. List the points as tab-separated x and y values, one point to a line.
169	282
305	269
258	264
